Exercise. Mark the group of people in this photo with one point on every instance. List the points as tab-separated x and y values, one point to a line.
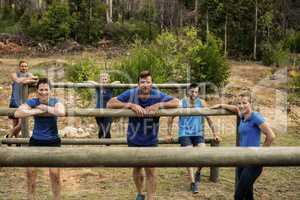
142	129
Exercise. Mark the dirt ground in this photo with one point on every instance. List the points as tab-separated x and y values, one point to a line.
117	184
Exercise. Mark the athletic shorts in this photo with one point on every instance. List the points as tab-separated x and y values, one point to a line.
135	145
12	105
46	143
190	140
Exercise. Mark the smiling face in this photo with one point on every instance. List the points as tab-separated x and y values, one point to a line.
23	67
43	92
145	85
244	105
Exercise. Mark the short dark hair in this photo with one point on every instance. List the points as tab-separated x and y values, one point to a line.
43	81
193	85
144	74
21	62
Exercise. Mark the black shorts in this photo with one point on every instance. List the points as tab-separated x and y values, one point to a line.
135	145
12	105
191	140
46	143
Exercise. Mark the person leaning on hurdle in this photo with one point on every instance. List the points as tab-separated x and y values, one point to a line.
142	130
45	133
250	128
191	130
21	77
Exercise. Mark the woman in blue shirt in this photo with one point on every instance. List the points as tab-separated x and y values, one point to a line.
252	124
45	132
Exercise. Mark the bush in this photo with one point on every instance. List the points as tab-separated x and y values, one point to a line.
56	23
293	42
85	70
274	54
130	30
89	21
168	58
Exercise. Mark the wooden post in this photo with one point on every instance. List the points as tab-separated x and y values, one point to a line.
148	157
24	121
214	171
237	142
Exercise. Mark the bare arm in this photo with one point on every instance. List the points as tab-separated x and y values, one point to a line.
115	103
210	123
25	111
57	110
267	131
23	80
231	108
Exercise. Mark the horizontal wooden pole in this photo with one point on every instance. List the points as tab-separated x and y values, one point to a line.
147	156
118	86
92	112
90	141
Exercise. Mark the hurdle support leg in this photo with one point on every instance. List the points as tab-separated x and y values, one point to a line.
214	171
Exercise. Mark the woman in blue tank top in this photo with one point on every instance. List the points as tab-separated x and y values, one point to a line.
19	78
252	124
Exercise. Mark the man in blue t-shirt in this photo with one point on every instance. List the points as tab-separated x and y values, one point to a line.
191	129
142	130
45	131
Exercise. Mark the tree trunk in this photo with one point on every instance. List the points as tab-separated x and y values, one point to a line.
225	36
207	25
196	12
255	30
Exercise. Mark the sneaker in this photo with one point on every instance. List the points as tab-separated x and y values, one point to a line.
140	197
194	188
198	176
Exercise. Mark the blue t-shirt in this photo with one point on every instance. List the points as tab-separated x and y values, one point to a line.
45	128
190	125
103	95
143	130
249	130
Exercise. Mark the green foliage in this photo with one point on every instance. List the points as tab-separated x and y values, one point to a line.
83	71
169	58
207	63
56	23
130	30
89	20
274	53
293	42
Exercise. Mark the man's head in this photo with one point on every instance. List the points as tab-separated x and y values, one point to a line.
23	66
43	89
104	78
193	91
145	82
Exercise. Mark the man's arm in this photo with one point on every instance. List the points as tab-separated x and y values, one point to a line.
25	111
210	123
174	103
115	103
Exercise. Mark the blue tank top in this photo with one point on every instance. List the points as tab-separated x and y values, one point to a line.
191	125
16	94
